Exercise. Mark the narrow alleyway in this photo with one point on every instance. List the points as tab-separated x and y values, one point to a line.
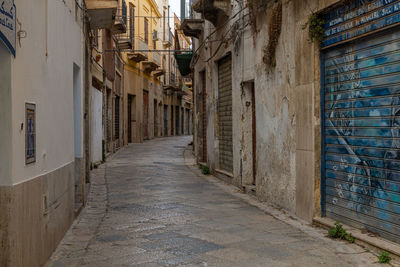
147	208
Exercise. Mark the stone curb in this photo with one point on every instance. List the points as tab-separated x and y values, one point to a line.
363	239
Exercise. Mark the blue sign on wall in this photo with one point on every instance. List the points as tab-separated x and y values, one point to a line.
8	19
359	17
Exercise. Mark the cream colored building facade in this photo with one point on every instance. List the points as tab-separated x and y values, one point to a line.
152	103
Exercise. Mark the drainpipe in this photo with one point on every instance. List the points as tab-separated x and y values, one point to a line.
169	71
182	10
169	50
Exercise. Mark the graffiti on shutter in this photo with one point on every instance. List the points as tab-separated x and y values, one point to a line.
362	134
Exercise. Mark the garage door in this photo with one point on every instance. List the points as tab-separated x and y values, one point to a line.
362	134
225	113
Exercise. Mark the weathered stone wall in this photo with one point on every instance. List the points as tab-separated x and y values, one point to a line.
287	104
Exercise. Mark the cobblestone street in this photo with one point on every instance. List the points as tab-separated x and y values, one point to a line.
147	207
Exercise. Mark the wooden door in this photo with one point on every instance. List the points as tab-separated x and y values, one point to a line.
145	115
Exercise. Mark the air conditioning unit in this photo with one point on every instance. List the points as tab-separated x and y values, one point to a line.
155	35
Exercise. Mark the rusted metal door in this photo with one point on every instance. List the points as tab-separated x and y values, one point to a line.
172	120
155	114
225	114
361	142
165	120
182	121
145	115
177	120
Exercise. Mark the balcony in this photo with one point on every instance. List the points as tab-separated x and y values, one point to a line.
169	40
192	27
123	41
172	79
120	25
183	59
142	54
149	66
101	13
158	72
213	10
157	58
171	82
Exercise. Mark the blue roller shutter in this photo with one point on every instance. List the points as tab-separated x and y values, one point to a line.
362	134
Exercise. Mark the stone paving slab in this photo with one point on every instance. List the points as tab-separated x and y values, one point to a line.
149	206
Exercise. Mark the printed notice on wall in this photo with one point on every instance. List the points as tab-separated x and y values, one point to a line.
359	17
8	19
30	133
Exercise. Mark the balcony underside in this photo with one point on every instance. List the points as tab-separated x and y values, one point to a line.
149	66
158	72
119	27
181	93
137	57
167	44
123	44
213	10
192	27
101	13
169	87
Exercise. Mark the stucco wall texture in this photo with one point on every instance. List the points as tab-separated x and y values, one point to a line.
287	106
30	230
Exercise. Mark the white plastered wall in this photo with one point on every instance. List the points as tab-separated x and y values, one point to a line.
47	81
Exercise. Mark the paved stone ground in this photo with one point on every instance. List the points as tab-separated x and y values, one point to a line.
147	208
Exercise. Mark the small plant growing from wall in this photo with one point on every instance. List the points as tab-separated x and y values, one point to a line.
204	170
339	233
315	25
384	257
255	7
274	31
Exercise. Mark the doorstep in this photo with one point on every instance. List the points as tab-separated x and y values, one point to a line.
223	175
363	239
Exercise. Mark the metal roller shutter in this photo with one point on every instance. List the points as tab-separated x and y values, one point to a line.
362	134
225	114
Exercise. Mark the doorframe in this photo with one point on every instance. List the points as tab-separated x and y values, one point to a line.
204	116
145	127
254	131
